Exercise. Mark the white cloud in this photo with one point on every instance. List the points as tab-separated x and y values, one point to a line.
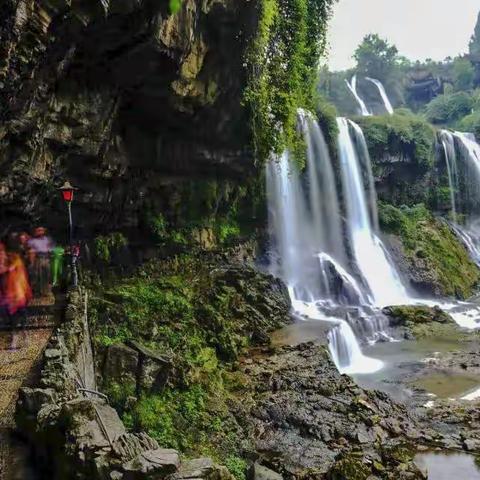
419	28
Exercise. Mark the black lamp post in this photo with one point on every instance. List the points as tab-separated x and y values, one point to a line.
68	190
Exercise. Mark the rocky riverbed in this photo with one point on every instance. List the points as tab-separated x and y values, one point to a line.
306	420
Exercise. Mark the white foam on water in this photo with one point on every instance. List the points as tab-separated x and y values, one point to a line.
471	396
343	346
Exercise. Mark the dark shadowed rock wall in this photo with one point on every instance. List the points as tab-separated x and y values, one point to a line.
124	99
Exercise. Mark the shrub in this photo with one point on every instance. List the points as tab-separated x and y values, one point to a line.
470	123
105	245
449	108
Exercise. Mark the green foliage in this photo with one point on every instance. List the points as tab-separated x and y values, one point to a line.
208	213
424	237
333	87
376	57
227	232
463	74
470	123
175	5
237	467
158	225
449	108
196	314
282	65
401	135
105	245
174	418
327	119
475	41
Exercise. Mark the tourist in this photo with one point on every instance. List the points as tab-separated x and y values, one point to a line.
42	245
17	292
57	256
3	272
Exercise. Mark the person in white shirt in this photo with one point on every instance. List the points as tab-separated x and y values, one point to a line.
42	245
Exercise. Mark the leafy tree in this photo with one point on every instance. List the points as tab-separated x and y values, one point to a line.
463	74
376	57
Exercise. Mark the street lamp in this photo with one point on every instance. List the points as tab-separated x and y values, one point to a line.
67	190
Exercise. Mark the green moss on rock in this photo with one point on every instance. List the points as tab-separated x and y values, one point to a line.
422	321
402	315
435	258
406	137
199	313
402	149
349	468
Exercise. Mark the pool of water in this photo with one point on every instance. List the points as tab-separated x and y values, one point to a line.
448	385
400	359
403	358
448	466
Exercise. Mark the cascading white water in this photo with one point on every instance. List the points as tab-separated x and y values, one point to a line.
322	192
463	146
304	218
383	94
366	165
352	86
448	144
370	255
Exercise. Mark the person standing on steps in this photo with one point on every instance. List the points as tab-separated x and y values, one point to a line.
17	293
42	245
3	274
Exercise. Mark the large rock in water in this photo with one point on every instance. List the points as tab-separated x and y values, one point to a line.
402	315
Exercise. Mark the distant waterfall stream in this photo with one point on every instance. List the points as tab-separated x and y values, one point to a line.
383	94
364	110
352	86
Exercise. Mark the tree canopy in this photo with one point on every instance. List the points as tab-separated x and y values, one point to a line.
376	57
475	41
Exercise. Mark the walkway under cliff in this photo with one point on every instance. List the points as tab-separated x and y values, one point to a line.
20	353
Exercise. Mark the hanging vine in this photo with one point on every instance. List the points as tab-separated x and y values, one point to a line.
282	64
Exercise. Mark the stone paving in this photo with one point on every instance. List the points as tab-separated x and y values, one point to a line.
20	352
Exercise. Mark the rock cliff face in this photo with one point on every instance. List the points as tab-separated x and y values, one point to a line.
123	98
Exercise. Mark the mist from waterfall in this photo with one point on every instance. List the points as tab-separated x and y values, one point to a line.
370	255
352	86
383	94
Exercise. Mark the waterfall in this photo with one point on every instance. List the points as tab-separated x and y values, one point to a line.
383	94
448	143
469	153
352	86
323	197
366	165
370	255
305	222
461	146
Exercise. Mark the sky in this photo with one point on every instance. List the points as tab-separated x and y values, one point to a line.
420	29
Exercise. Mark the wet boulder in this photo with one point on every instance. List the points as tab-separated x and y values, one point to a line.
403	315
